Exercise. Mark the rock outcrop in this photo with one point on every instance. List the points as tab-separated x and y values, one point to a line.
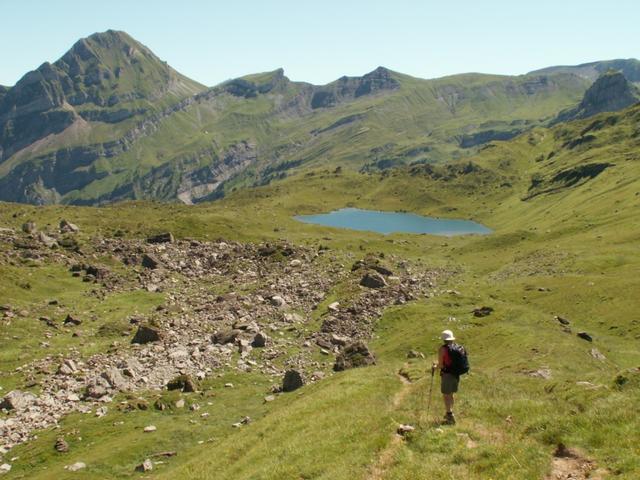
609	93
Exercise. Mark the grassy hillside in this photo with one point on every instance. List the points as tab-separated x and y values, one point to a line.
565	244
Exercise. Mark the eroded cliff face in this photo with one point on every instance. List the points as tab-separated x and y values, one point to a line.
611	92
348	88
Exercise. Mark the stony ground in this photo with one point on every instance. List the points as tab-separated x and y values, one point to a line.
292	313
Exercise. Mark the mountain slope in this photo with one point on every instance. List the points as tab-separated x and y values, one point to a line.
609	93
98	90
591	71
150	133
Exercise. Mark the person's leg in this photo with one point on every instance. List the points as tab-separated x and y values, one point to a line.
448	402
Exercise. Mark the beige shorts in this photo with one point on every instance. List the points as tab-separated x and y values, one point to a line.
449	383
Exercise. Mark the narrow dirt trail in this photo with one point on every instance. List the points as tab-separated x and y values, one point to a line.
386	456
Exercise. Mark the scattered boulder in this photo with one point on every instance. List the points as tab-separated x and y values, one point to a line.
5	468
150	262
415	354
482	311
381	270
166	237
147	334
184	383
356	354
595	353
339	340
149	429
562	320
585	336
373	264
259	341
295	263
277	301
46	240
77	466
373	280
68	227
145	466
29	227
226	336
292	381
334	307
115	379
96	389
405	429
544	373
68	367
15	400
71	320
61	445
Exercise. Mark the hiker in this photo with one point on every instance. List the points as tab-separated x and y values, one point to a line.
452	362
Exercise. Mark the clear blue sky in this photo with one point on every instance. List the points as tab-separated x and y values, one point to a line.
319	41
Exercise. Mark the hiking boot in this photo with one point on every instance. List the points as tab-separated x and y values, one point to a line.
449	419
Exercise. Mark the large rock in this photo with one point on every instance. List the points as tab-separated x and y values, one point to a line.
68	227
585	336
15	400
77	466
354	355
278	301
61	445
150	262
292	381
46	240
29	227
184	383
259	341
161	238
71	320
96	389
145	466
373	280
482	311
147	334
116	380
225	336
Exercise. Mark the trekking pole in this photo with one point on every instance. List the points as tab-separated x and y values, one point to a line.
430	392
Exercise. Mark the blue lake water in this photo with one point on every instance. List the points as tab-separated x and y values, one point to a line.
392	222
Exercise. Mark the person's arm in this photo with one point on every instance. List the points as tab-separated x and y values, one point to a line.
440	364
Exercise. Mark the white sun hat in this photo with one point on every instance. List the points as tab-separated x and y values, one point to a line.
447	335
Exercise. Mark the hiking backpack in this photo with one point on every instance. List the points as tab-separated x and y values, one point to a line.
459	359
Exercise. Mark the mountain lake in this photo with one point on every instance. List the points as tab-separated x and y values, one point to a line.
394	222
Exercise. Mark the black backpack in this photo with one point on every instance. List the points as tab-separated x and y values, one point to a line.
459	360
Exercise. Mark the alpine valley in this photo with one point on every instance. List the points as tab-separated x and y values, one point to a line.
164	315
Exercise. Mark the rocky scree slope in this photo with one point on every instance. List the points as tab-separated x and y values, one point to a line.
265	321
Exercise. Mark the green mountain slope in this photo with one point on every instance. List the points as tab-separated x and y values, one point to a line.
110	121
591	71
103	89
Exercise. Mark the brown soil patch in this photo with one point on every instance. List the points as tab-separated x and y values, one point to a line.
569	464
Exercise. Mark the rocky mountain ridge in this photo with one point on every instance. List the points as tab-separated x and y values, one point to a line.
110	121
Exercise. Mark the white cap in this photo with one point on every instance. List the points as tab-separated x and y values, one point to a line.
447	335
